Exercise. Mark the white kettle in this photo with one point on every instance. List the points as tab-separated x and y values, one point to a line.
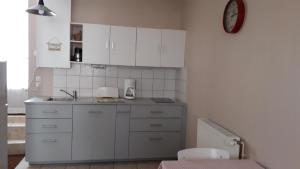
129	89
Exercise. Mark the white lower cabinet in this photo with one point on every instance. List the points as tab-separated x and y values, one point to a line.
103	132
93	132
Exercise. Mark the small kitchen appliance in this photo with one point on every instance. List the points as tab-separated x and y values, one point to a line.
129	89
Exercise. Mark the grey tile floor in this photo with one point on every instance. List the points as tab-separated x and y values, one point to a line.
125	165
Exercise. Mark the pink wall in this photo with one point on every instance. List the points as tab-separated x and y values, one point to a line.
248	82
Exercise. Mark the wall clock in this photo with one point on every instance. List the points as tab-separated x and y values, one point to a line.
234	15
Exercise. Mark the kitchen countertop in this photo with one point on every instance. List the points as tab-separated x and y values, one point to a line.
93	101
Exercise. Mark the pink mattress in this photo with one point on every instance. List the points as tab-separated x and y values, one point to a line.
210	164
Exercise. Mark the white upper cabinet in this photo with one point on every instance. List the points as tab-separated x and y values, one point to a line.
148	50
122	46
95	48
173	47
54	30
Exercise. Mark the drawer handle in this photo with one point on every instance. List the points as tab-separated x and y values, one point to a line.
123	111
49	140
51	112
155	138
49	126
94	112
157	112
156	125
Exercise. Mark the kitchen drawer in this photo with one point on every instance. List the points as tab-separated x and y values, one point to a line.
49	111
48	125
48	147
154	145
94	109
155	125
156	112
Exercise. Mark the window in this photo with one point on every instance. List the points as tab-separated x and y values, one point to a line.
14	42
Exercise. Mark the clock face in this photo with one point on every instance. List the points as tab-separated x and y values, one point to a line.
233	16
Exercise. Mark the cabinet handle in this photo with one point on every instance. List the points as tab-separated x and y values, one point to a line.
49	126
49	140
112	44
51	112
155	138
94	112
123	111
157	112
156	125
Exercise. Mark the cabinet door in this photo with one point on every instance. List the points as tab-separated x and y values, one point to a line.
54	30
93	132
122	132
173	47
123	44
96	44
148	47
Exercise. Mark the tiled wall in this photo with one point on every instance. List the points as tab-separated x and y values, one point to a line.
150	82
181	81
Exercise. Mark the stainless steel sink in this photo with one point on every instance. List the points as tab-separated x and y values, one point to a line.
59	99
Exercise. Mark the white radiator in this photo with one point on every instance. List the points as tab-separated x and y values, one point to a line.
211	135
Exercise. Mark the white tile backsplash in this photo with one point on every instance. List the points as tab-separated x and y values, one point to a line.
111	71
57	93
86	93
75	70
111	82
170	74
147	84
124	72
60	81
147	74
86	82
158	84
73	81
86	70
159	74
150	82
147	93
98	82
99	72
158	94
169	84
62	72
135	73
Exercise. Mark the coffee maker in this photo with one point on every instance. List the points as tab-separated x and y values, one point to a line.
129	89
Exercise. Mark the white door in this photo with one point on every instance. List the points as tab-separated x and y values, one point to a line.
95	44
148	47
3	117
54	30
173	47
123	43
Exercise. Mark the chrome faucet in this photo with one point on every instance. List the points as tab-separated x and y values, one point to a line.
74	95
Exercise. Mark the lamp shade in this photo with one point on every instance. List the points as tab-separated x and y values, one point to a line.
40	9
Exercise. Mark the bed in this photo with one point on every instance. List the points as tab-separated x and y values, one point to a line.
210	164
